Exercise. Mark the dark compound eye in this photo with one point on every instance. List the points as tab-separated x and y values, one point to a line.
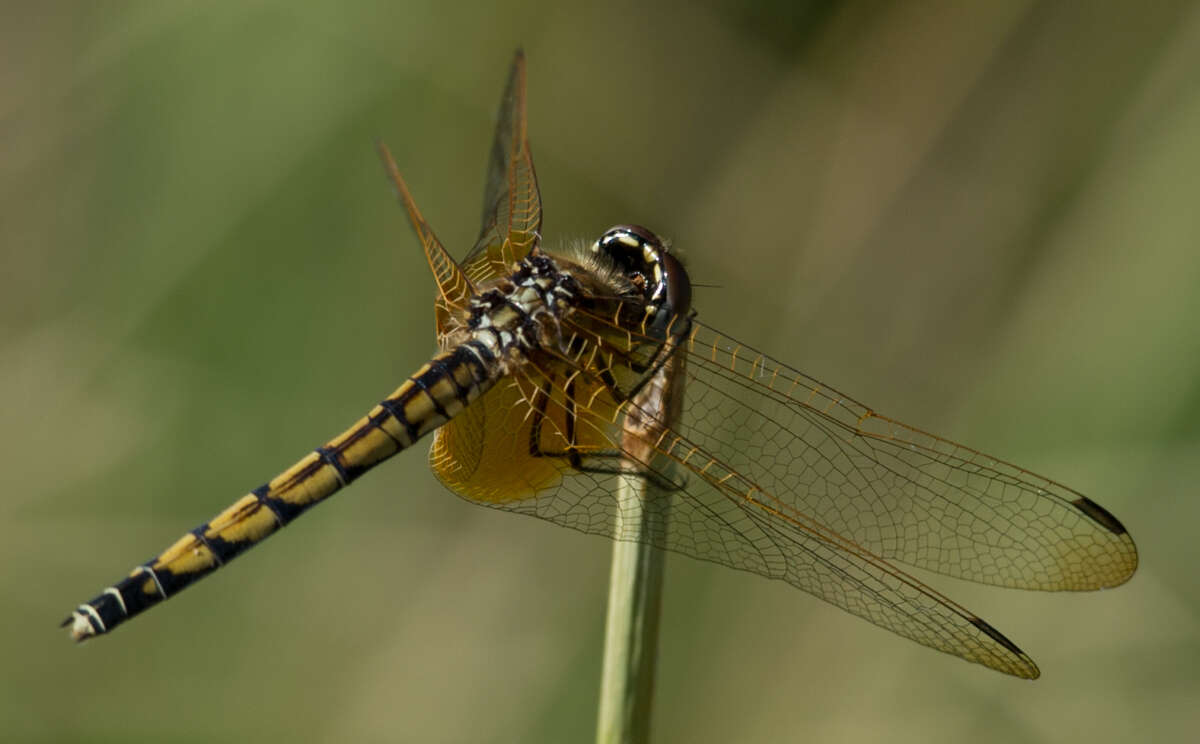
643	258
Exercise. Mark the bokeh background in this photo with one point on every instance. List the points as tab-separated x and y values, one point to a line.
981	218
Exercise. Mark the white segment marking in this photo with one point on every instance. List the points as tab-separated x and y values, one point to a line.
91	611
154	576
120	600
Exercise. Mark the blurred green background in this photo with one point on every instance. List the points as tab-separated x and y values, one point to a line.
981	218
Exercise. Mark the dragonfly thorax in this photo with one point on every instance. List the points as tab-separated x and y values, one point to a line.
522	312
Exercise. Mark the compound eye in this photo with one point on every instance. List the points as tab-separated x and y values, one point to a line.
634	251
643	258
633	236
629	246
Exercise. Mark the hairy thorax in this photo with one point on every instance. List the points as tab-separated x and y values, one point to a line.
526	313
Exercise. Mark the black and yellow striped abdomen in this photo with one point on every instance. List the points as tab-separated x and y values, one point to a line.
435	394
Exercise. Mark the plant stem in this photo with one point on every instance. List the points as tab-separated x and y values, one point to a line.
634	600
636	581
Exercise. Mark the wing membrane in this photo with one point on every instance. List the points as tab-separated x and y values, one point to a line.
512	207
777	474
512	442
899	492
454	289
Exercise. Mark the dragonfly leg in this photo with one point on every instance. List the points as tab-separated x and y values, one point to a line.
608	462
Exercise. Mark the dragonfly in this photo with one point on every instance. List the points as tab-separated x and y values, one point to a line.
560	373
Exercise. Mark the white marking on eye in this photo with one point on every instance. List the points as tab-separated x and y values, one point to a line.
658	273
627	239
648	253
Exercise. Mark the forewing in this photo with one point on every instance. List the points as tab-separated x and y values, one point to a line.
454	289
896	491
709	510
512	207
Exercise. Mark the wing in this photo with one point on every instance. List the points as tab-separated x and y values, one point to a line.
454	289
772	472
486	453
512	206
899	492
512	212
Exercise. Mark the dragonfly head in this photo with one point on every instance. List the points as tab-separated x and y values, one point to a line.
643	258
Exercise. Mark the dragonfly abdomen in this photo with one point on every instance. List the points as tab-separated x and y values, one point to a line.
433	395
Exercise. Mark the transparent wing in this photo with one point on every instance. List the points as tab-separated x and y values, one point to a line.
454	289
512	206
899	492
512	213
777	474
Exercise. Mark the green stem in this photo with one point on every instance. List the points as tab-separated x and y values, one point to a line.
634	600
